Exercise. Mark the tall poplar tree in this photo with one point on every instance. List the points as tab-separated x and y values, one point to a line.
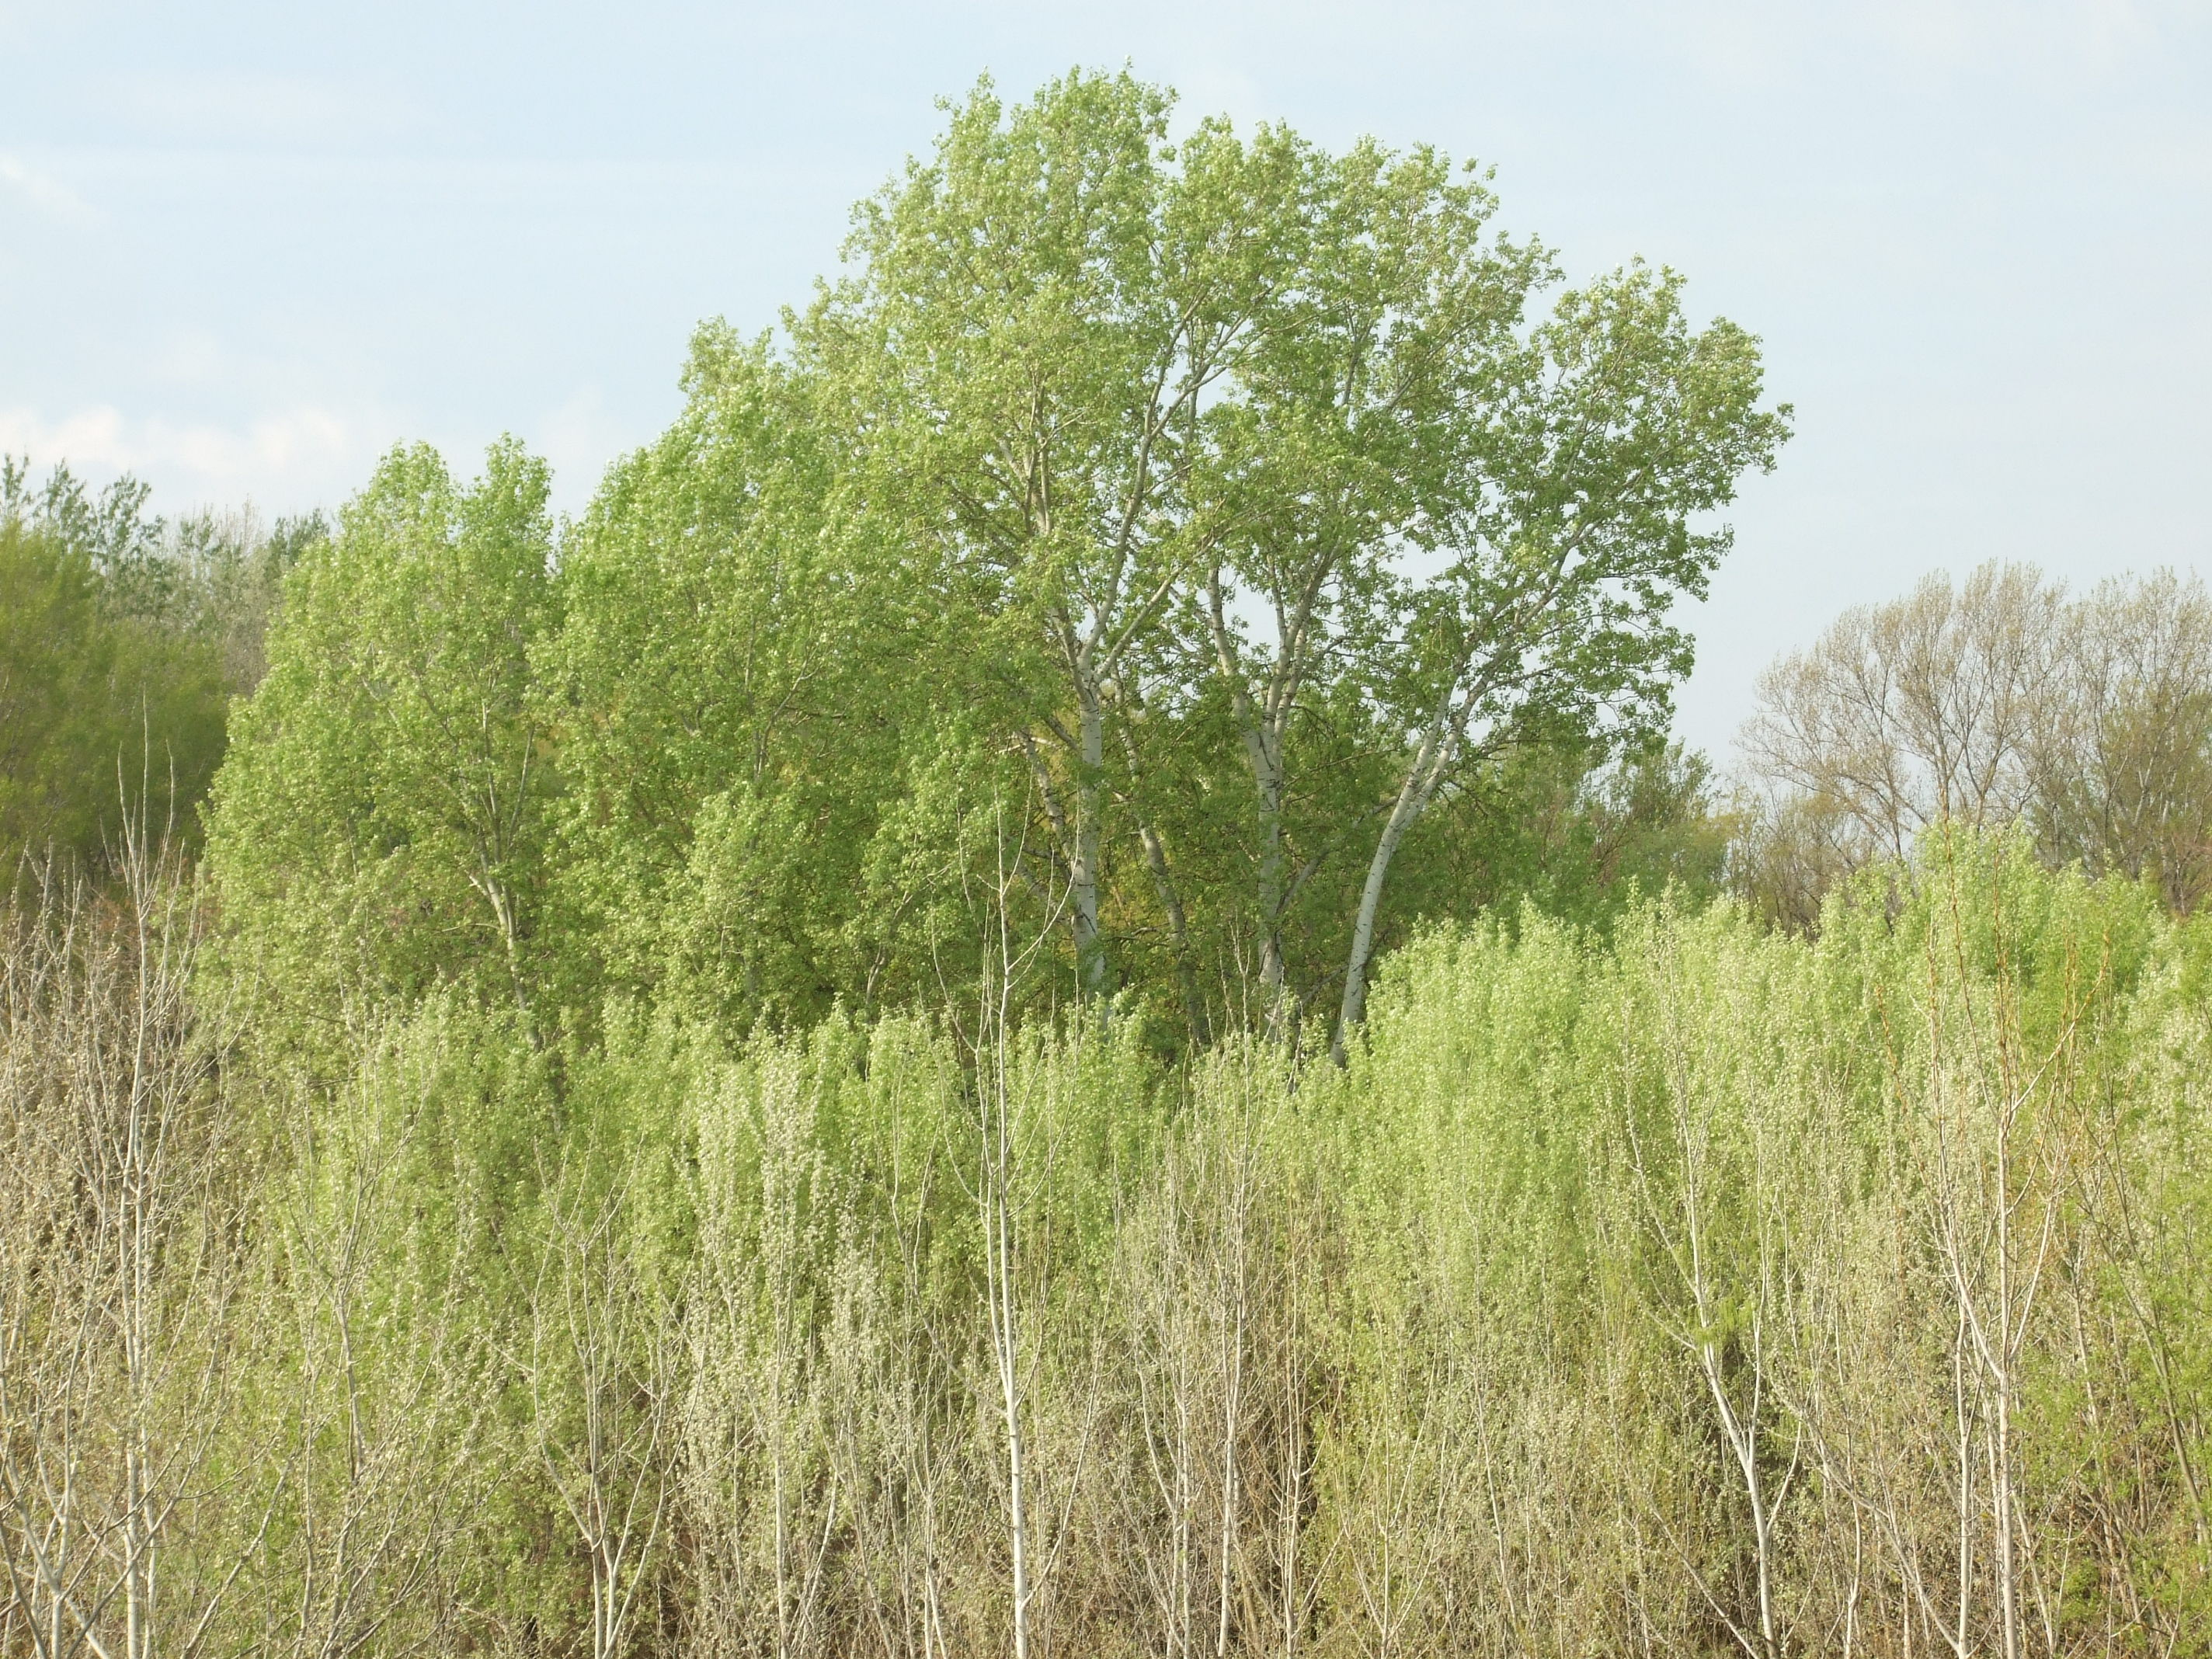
1233	438
1040	318
1572	515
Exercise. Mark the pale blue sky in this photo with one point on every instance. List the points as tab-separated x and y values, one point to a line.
244	248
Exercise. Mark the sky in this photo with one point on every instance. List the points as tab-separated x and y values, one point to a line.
245	248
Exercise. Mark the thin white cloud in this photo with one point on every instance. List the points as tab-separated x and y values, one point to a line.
272	109
43	191
2068	36
299	456
91	436
289	457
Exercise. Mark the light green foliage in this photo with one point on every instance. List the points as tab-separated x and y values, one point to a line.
384	821
736	683
1025	348
1680	1283
399	1467
765	1092
55	717
1792	1240
122	639
1570	534
1129	550
1254	471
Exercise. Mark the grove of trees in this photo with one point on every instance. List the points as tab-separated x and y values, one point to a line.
1697	1289
2087	722
1159	546
1051	990
122	637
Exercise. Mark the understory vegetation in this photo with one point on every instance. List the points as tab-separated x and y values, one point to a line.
1694	1289
1051	990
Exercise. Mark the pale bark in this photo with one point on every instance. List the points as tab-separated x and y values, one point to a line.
1743	1408
123	1297
603	1347
1432	759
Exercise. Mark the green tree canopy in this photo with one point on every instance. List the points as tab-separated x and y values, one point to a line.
1127	551
383	822
735	683
109	715
1232	439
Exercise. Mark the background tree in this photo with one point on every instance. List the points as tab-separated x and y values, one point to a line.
2120	762
1907	713
114	673
56	721
2000	701
1579	835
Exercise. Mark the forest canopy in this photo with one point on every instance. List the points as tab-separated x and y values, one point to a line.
1174	550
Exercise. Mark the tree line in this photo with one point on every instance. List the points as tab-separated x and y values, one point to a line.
123	637
2087	720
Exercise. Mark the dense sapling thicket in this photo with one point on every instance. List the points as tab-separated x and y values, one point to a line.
1694	1289
1048	989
